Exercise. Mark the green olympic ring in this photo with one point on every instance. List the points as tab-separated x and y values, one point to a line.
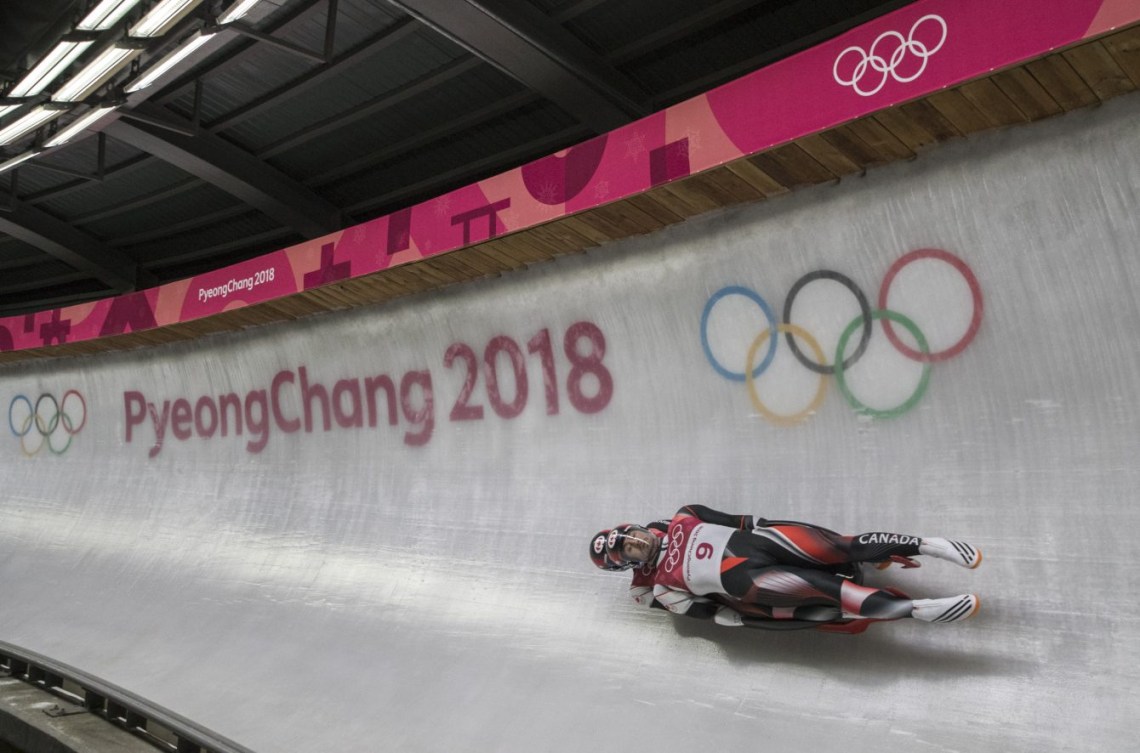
841	371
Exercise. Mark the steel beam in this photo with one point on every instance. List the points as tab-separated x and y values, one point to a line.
336	67
537	51
231	169
75	248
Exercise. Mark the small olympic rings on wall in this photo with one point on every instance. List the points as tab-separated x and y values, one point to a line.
46	421
844	358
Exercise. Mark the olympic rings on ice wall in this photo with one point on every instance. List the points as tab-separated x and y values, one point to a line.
47	422
881	63
839	365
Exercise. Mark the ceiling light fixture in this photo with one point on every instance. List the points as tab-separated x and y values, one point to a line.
49	68
73	130
95	74
106	14
161	17
163	66
29	122
5	109
9	164
237	10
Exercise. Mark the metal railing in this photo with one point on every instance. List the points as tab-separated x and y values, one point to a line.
86	693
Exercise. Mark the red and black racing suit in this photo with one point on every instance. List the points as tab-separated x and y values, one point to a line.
778	574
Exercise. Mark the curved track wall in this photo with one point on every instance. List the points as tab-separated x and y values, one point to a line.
356	533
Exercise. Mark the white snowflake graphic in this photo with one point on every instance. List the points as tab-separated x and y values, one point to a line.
635	146
547	193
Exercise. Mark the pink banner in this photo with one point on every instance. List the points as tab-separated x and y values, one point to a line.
919	49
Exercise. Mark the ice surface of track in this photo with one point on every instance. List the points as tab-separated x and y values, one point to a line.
424	586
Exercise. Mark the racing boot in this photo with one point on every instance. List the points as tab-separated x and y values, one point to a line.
948	609
958	552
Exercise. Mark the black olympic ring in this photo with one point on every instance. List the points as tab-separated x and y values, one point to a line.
865	319
46	425
864	310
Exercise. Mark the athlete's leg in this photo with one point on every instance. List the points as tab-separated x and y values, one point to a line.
796	543
958	552
804	593
806	545
810	613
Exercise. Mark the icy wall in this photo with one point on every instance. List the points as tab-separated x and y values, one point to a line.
368	531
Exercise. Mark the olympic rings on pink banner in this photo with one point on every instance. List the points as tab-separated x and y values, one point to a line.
840	364
46	421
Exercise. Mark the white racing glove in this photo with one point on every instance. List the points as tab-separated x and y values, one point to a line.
728	617
675	600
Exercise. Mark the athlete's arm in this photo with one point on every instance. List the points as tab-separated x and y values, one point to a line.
709	515
702	610
681	602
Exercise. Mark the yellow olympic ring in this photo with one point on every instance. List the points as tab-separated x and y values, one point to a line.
820	393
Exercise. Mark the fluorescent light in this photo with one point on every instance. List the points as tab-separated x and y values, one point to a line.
237	10
5	109
73	130
48	69
95	74
106	14
163	66
16	160
161	17
34	118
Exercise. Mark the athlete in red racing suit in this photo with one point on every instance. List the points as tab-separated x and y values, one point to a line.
773	574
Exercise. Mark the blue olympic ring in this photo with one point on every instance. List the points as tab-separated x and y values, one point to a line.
752	295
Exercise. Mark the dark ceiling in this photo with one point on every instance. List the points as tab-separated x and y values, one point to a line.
308	116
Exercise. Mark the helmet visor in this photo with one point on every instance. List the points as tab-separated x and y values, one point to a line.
633	545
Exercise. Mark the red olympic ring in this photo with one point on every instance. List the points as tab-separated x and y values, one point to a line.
975	292
65	418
